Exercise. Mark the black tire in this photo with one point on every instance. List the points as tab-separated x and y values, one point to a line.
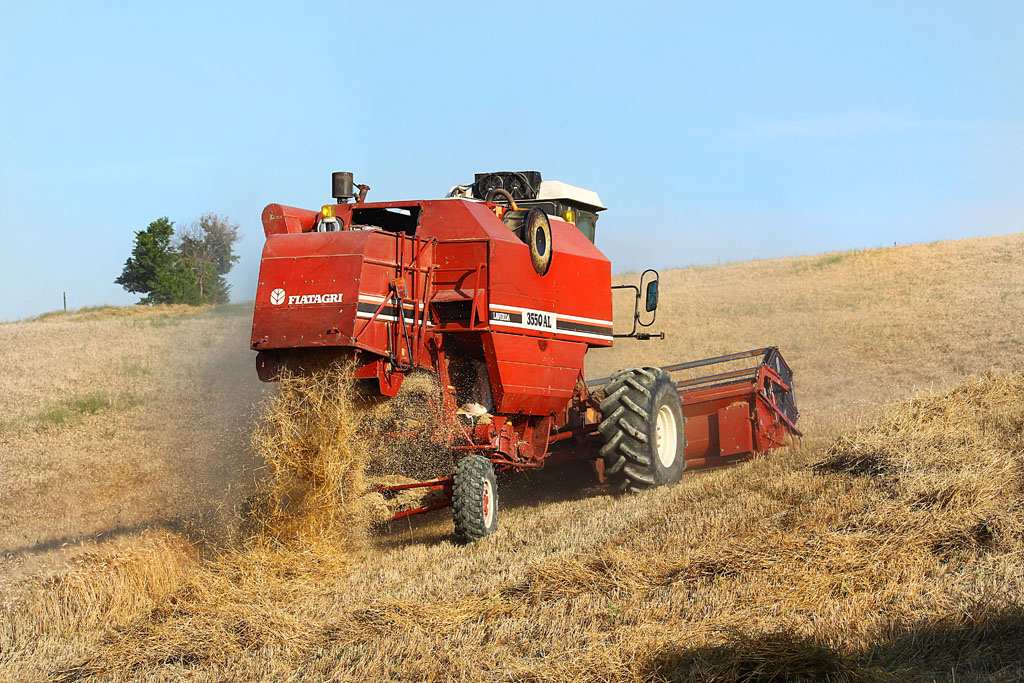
474	499
632	452
538	237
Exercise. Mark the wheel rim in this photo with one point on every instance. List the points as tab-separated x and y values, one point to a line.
665	437
488	503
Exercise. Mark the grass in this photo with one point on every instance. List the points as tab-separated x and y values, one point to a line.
156	314
803	265
828	260
73	410
174	462
159	312
887	547
872	327
237	309
80	313
136	369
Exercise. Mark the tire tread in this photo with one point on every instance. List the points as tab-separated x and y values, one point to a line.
627	426
467	507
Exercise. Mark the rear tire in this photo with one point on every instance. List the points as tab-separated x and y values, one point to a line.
474	499
643	429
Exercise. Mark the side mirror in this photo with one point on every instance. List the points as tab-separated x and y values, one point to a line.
652	296
646	309
648	288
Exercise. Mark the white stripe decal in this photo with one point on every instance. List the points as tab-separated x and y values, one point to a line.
529	319
557	332
546	321
373	299
389	318
561	316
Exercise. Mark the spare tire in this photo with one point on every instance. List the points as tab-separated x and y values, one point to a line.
538	237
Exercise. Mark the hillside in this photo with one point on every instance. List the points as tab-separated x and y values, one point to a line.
860	328
887	545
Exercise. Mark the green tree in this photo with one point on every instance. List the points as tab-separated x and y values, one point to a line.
153	269
176	285
183	268
207	248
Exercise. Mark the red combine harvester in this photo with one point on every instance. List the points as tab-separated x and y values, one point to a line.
499	291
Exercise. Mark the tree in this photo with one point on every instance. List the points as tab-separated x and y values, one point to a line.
152	268
183	268
207	248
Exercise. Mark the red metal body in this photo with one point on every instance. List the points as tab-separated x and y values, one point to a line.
734	414
446	286
467	279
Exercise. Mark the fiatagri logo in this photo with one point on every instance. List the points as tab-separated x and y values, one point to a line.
278	296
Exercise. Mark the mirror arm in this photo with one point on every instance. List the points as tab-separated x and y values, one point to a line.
636	308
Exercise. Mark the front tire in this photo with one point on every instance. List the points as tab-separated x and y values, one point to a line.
474	499
643	429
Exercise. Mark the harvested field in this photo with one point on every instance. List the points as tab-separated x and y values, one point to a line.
887	546
162	442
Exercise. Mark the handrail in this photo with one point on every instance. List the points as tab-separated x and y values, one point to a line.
745	373
701	363
718	359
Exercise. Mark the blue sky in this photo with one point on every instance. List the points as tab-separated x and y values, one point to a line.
712	131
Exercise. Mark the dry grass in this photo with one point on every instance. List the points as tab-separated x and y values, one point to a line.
860	328
887	547
159	312
111	428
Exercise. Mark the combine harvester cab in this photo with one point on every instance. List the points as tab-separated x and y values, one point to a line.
499	291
